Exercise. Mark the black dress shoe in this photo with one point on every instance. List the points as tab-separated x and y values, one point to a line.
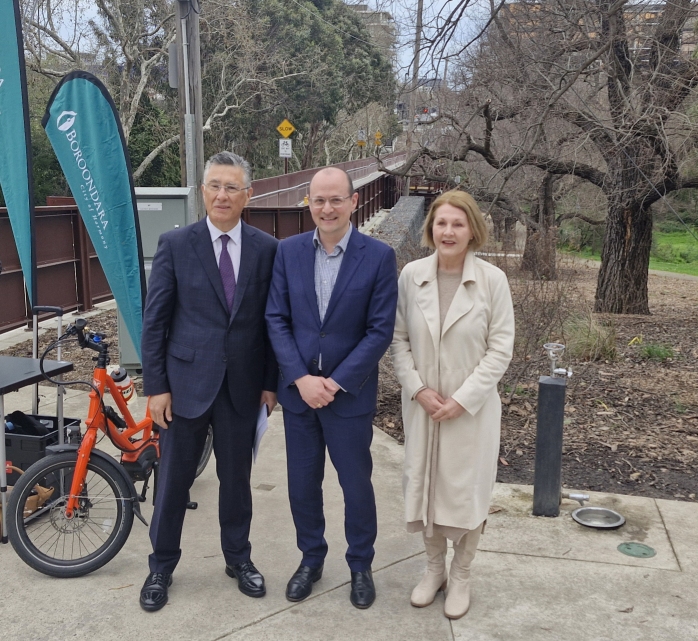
154	591
250	580
301	584
363	592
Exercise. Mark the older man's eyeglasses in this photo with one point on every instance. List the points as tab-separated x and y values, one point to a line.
335	201
231	190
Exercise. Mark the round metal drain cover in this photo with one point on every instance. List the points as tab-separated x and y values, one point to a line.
639	550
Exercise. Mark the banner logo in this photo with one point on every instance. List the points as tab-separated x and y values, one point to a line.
68	122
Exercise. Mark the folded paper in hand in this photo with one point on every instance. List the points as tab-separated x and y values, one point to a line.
262	425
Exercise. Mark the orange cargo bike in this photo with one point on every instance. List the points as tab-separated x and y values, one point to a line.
89	513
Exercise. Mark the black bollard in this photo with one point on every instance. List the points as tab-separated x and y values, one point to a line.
547	481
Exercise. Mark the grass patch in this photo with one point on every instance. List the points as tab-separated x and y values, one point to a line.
590	338
656	352
675	252
677	268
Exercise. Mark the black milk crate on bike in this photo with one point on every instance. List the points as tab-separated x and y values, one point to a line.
23	450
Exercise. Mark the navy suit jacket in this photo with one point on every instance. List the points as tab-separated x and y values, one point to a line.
357	328
190	340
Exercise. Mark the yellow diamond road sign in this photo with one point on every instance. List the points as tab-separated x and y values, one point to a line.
285	128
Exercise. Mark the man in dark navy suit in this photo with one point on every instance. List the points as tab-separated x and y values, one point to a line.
207	360
331	313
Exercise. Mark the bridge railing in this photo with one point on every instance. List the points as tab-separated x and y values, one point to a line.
290	189
282	222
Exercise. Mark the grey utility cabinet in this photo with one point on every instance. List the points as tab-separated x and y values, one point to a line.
159	210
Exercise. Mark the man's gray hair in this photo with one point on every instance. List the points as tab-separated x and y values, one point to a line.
229	158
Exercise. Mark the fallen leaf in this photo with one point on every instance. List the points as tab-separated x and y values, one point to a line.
503	461
627	610
635	475
494	509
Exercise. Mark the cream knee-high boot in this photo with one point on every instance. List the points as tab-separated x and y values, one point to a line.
435	577
458	595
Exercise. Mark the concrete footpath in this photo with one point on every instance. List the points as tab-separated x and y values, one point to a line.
533	579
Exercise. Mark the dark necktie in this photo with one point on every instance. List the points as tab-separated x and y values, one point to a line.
225	266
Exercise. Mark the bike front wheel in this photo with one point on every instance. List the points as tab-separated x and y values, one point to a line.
49	541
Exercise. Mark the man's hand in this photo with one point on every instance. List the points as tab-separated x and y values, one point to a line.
430	400
268	399
161	409
450	409
331	386
313	391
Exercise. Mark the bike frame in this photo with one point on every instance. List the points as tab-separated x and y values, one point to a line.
97	421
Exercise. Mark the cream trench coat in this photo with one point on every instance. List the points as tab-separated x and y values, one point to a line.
464	360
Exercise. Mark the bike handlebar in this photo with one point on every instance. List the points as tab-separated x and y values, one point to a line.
89	340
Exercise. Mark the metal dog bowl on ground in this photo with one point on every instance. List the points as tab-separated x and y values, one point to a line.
598	517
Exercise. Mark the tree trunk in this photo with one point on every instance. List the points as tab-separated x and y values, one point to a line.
625	259
540	255
311	141
509	236
497	224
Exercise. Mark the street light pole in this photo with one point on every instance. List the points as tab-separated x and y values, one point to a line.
413	90
191	119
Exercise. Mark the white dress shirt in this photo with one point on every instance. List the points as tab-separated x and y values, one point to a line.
234	244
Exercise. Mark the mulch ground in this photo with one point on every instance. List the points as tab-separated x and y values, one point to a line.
631	422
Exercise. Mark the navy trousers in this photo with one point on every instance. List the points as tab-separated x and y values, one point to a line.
348	441
181	446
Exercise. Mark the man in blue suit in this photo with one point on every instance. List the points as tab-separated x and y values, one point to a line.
207	360
330	314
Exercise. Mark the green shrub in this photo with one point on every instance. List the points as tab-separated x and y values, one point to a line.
655	352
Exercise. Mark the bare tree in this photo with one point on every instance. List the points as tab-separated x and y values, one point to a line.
596	89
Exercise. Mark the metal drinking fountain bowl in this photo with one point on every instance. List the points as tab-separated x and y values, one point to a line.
555	352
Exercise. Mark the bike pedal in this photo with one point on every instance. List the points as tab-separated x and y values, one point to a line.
192	505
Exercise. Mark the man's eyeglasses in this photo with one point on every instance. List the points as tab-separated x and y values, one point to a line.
335	201
231	190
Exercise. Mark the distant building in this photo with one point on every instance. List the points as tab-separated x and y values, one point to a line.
381	26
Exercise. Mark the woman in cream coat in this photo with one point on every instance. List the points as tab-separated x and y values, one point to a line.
454	336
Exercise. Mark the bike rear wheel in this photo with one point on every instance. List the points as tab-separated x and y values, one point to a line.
49	541
206	454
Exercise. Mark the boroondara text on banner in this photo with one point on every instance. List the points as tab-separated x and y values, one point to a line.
83	126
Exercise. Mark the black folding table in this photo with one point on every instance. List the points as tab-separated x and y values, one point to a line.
16	372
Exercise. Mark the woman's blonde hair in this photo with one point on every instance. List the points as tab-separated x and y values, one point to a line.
467	204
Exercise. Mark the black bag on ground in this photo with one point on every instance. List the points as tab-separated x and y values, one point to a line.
27	425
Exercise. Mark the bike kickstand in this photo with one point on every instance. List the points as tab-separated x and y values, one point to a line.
144	491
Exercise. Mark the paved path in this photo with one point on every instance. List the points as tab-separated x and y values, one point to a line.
533	579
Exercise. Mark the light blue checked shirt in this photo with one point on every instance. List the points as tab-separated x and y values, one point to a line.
326	270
